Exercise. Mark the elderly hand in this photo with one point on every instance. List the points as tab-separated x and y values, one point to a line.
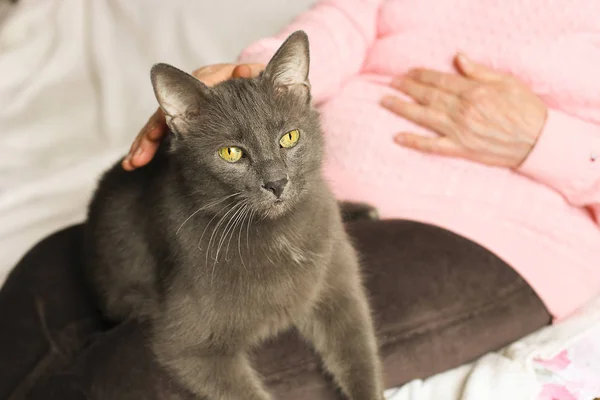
147	141
480	114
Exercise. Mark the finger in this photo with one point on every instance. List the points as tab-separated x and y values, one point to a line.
217	73
141	154
424	94
134	151
146	142
148	146
144	154
209	69
441	145
210	75
126	164
421	115
477	71
451	83
157	126
247	70
241	71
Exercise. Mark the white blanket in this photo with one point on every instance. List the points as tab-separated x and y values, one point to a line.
75	89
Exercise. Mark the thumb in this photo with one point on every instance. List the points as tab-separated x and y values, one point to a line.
477	71
247	70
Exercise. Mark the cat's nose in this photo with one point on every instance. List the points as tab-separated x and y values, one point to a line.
276	187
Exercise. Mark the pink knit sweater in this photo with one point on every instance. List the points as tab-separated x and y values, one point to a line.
541	219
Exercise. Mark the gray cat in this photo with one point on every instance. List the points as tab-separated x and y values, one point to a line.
230	235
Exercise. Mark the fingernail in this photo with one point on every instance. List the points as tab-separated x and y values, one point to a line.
399	139
138	151
462	59
387	101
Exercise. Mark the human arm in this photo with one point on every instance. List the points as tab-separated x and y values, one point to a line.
340	33
492	118
566	157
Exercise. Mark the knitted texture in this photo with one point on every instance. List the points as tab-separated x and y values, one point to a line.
541	219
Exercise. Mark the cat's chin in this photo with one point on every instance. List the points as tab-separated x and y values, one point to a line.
277	209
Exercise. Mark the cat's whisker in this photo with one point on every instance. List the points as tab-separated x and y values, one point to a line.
246	215
224	232
215	203
265	215
238	219
241	228
269	258
211	238
229	227
248	229
216	230
232	232
207	251
212	204
187	219
208	224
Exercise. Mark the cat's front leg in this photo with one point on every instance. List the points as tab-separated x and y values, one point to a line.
341	330
211	371
215	377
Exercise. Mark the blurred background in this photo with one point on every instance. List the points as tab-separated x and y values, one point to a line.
75	90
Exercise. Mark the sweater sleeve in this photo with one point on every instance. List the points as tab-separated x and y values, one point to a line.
340	33
567	158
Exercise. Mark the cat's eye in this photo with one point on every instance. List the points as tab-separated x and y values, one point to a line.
231	153
290	139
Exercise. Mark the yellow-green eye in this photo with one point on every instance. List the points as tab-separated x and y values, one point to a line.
231	154
290	139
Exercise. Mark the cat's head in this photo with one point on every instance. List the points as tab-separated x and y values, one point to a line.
257	137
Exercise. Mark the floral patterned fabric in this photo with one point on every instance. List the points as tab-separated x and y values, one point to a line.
574	374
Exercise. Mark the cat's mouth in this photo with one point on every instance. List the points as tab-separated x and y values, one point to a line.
277	208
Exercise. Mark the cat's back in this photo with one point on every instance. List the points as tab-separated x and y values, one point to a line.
114	201
122	196
119	262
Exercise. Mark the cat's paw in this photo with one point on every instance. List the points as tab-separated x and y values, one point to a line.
358	211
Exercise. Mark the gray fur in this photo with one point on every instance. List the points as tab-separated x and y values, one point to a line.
215	261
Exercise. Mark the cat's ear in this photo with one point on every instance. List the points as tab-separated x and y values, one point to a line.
288	69
179	94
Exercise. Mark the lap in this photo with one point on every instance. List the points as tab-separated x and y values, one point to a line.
439	300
